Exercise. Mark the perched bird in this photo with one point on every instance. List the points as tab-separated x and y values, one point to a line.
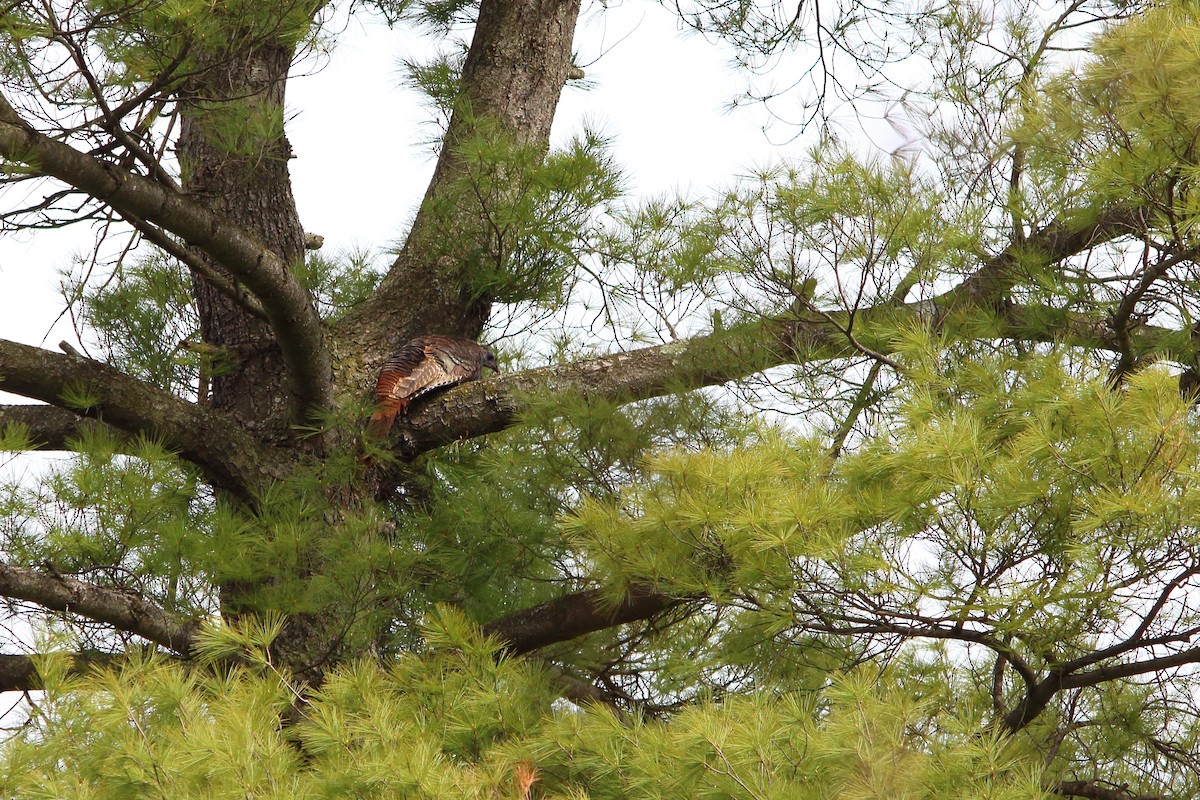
421	366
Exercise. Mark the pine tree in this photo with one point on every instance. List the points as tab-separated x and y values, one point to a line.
901	505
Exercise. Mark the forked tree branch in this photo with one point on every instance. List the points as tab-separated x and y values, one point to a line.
125	611
1039	696
1067	235
287	304
229	457
519	59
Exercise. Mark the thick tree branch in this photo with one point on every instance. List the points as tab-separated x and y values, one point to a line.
287	304
19	673
1066	235
491	405
123	610
1129	669
229	457
1095	790
574	615
50	427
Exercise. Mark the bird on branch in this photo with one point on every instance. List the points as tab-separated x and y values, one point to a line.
421	366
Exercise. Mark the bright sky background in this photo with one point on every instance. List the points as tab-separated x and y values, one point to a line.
363	158
657	93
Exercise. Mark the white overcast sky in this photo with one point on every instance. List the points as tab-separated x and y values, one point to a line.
361	136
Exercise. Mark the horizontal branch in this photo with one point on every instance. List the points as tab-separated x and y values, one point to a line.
1039	696
19	673
574	615
970	310
1129	669
125	611
288	305
50	427
229	457
493	404
1095	790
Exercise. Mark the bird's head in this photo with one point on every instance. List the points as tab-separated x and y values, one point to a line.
489	361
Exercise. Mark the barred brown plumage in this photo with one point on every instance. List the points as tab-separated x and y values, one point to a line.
421	366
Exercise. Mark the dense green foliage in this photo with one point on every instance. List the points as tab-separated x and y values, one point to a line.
922	547
457	722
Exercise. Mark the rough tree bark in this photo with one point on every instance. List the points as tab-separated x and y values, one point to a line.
514	73
255	190
513	76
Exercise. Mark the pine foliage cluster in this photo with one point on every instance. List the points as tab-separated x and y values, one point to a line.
920	545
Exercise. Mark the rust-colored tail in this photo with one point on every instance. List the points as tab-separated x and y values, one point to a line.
380	423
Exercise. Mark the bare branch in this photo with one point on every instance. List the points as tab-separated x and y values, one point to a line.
229	456
50	427
19	673
1138	639
123	610
287	304
574	615
1097	790
1123	314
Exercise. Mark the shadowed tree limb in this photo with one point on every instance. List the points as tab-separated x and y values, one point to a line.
1066	235
1039	696
1096	790
19	673
125	611
574	615
50	427
228	456
287	304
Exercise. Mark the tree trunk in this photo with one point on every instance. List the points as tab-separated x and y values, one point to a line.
518	63
254	190
513	76
249	184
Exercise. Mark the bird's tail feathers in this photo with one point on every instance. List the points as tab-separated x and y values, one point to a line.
380	423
